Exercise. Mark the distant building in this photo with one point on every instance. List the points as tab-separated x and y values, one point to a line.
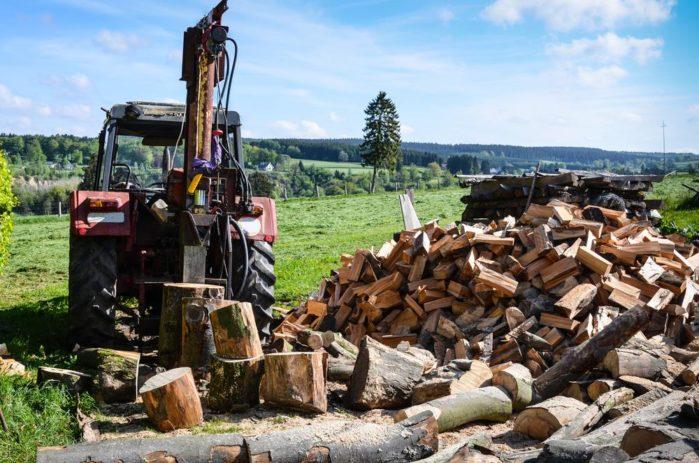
265	166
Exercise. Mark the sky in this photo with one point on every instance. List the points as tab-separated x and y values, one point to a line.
600	73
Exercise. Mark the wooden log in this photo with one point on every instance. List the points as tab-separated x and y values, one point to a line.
170	336
517	381
235	383
641	437
296	380
576	451
681	451
601	386
348	442
488	403
383	377
457	376
453	453
180	449
197	343
632	362
637	403
542	420
691	373
581	359
76	381
642	385
235	331
592	414
171	400
576	299
340	369
114	373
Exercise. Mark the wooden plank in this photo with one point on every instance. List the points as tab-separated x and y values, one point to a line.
410	220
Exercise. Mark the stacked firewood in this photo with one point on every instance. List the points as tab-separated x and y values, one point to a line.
508	292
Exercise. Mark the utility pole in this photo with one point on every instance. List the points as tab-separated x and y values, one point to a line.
664	161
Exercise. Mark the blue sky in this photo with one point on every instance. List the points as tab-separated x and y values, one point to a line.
601	73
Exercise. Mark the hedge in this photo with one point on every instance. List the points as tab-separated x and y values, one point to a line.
7	202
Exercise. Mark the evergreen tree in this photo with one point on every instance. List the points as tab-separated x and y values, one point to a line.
381	145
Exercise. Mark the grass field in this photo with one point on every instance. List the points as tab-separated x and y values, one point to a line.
33	293
344	167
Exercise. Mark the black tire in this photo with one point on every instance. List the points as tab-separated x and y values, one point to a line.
259	287
92	280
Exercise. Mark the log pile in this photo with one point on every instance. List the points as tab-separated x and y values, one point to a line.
504	195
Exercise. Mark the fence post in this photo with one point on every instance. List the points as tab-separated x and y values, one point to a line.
60	212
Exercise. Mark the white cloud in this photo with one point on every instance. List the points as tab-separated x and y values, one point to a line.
117	42
304	129
573	14
286	126
12	101
75	111
446	15
335	117
73	81
405	129
24	122
600	77
313	129
45	110
247	133
609	48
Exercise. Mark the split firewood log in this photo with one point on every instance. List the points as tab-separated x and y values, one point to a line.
114	373
235	383
171	400
296	380
540	421
488	403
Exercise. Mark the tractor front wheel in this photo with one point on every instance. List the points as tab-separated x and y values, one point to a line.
92	281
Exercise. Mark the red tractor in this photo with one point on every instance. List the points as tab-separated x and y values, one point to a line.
168	200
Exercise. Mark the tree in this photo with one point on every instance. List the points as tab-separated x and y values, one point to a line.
381	145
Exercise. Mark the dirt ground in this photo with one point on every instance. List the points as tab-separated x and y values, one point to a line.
130	421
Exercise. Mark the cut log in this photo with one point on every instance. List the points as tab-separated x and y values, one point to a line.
601	386
170	336
76	381
642	385
453	453
488	403
457	376
576	299
235	331
681	451
197	344
542	420
691	373
347	442
235	384
340	369
296	380
631	362
383	377
114	373
581	359
174	449
637	403
592	414
171	400
641	437
517	381
576	451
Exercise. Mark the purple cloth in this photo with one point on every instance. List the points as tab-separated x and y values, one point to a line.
203	166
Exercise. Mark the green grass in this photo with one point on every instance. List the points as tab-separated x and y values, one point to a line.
680	212
344	167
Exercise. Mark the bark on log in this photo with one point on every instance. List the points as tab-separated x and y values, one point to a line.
542	420
682	451
581	359
76	381
642	385
171	400
340	369
637	403
180	449
448	454
235	384
691	373
197	343
383	377
114	373
235	331
169	339
296	380
517	381
592	414
457	376
644	436
488	403
576	451
631	362
348	442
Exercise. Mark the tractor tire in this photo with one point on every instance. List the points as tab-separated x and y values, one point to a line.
258	290
92	292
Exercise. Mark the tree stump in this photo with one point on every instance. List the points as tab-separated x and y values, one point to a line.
488	403
171	400
235	331
296	380
114	373
197	343
383	377
517	381
170	334
76	381
542	420
235	384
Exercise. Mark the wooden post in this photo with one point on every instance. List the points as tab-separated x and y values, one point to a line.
171	400
170	336
296	380
235	331
60	212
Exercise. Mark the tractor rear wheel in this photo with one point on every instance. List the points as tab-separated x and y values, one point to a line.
259	287
92	279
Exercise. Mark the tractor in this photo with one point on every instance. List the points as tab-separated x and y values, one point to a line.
167	200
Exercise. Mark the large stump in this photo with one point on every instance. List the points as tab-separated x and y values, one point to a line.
542	420
296	380
235	331
488	403
114	373
197	343
235	384
171	400
383	377
170	334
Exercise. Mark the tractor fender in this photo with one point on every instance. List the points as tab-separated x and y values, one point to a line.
262	227
100	213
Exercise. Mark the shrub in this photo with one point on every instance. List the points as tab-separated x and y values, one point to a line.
7	202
